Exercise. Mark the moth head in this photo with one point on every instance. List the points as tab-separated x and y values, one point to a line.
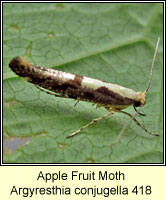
140	99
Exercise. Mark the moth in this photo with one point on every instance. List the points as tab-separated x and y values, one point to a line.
113	97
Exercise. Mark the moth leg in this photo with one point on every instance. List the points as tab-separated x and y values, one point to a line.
111	110
133	118
77	101
127	124
48	92
87	125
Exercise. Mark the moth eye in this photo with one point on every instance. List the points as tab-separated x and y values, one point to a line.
137	104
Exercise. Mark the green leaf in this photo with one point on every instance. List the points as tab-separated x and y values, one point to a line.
113	42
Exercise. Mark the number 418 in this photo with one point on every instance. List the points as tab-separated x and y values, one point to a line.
143	190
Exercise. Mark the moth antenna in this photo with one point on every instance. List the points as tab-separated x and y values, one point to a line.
152	66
